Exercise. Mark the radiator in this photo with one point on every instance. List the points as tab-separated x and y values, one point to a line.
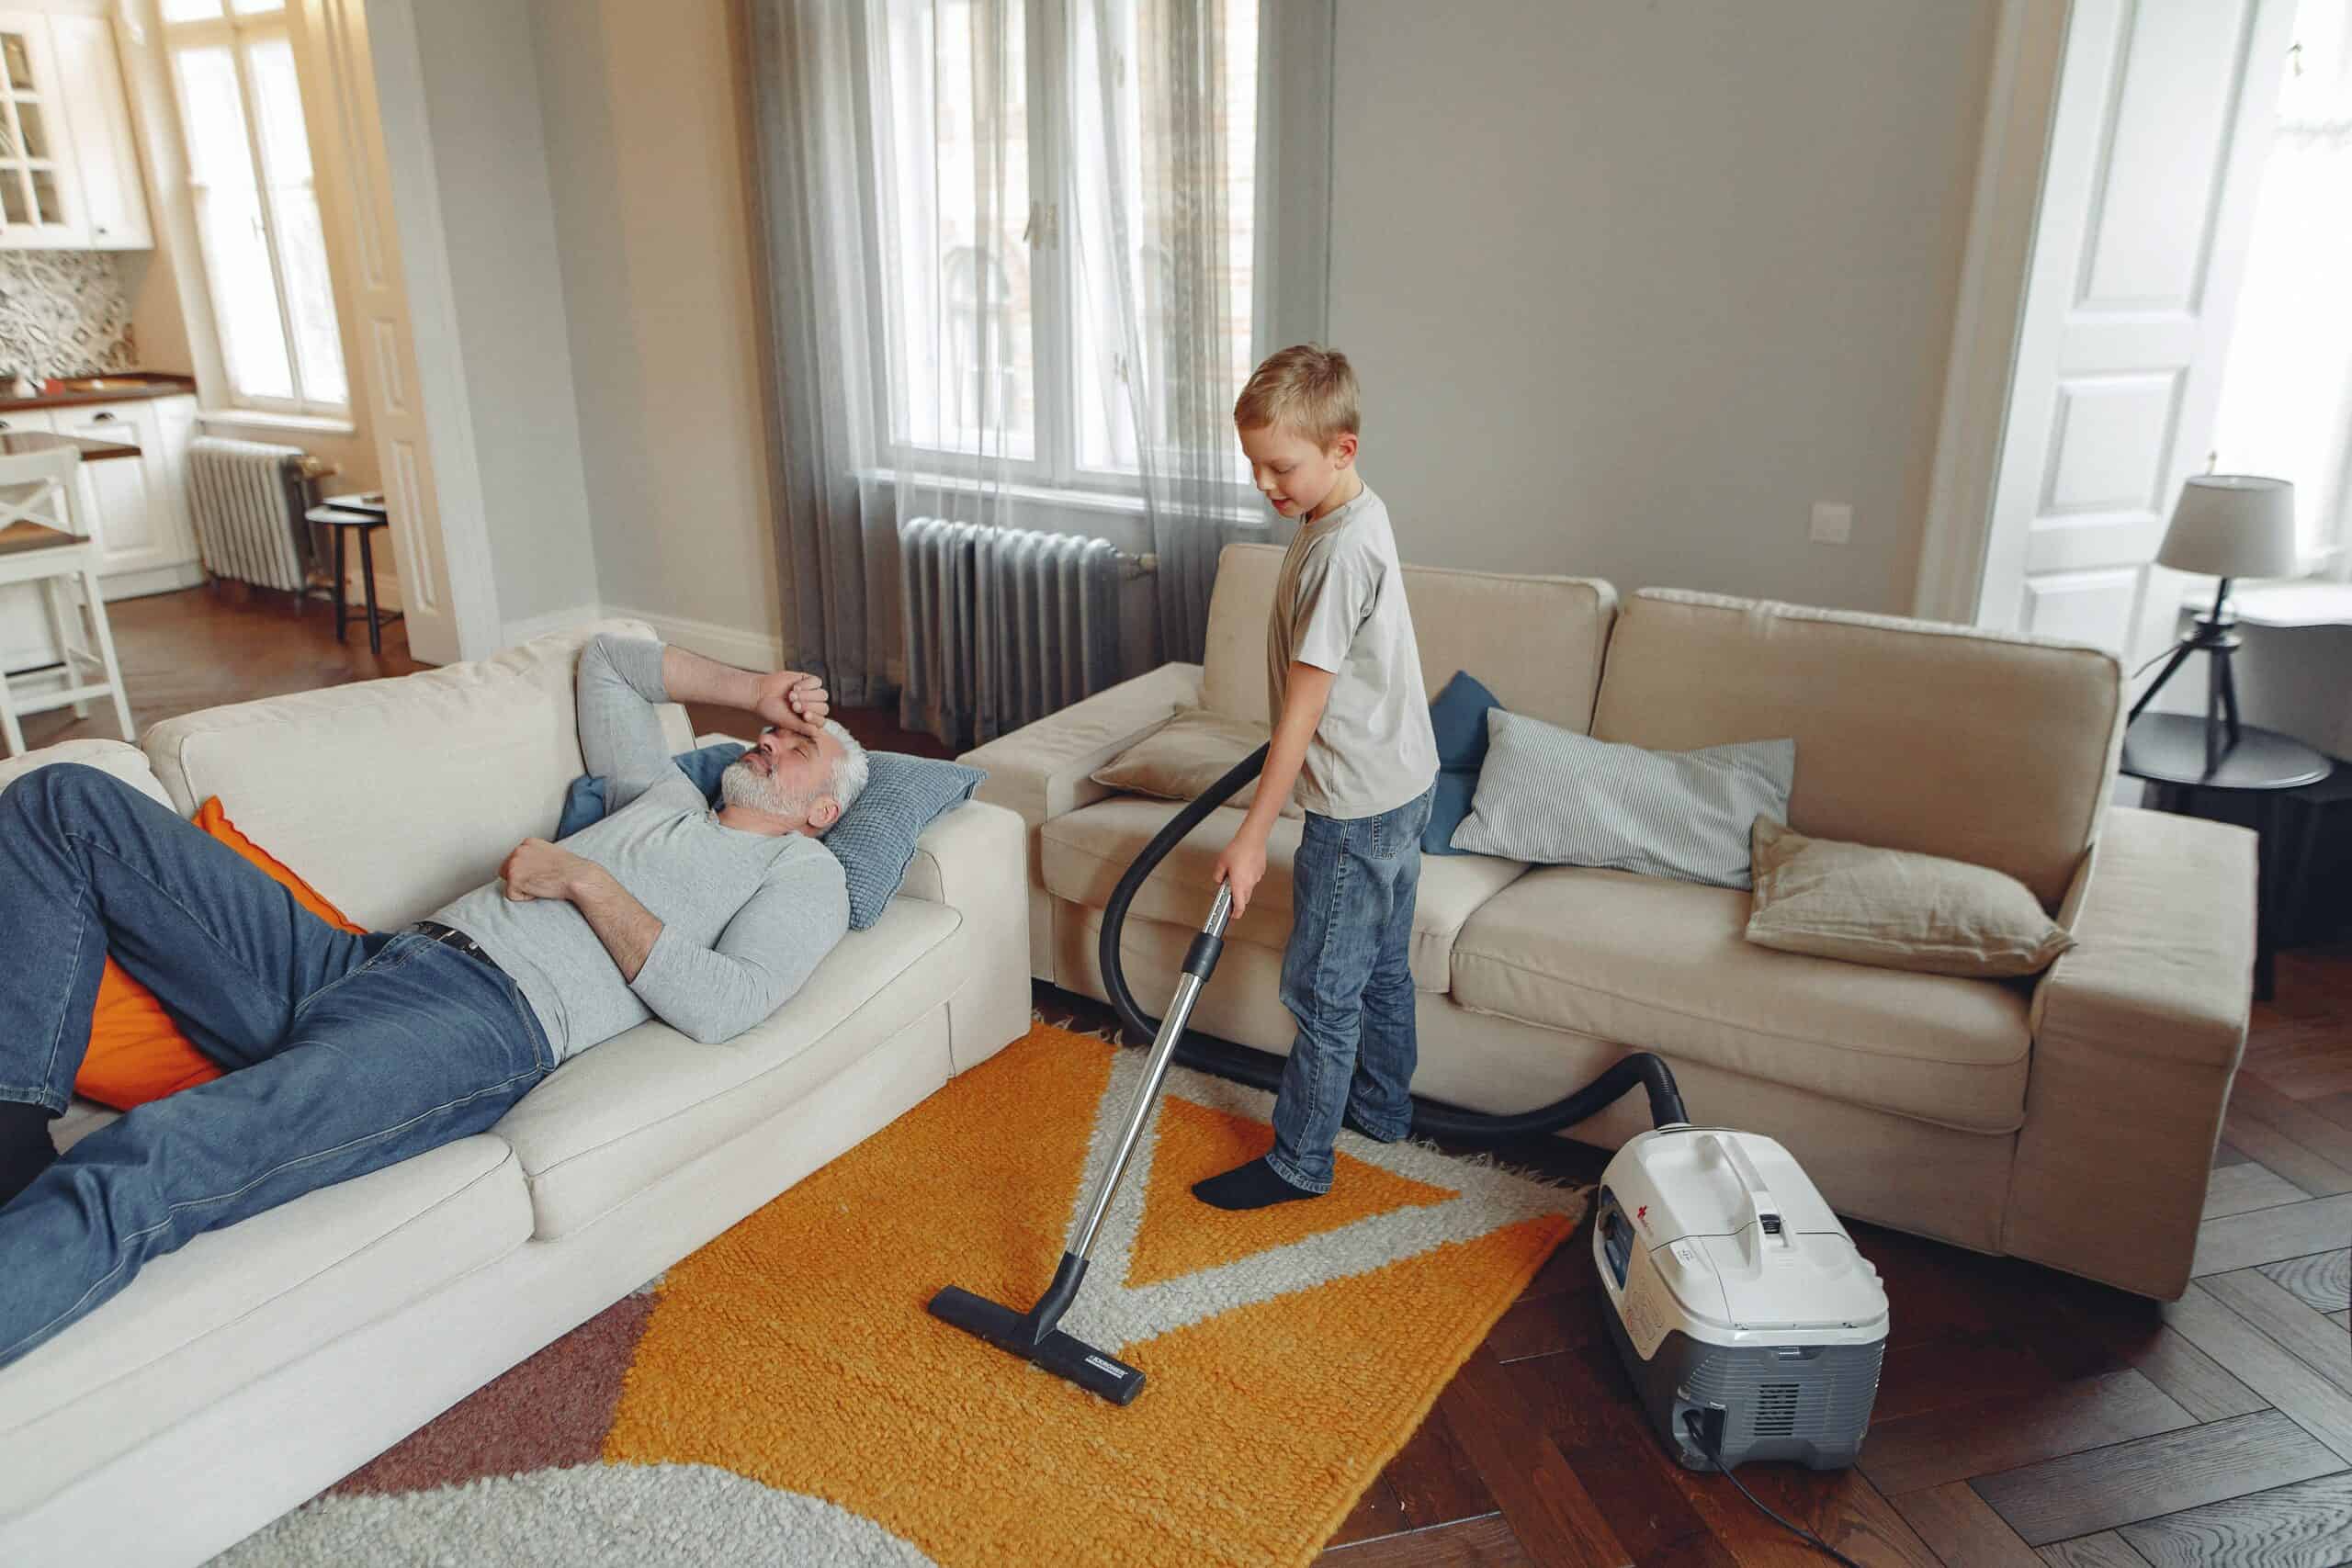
1003	625
248	500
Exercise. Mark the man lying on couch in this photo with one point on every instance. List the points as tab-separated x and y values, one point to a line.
346	1053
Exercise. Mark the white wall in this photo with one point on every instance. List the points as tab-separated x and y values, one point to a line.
1631	287
645	155
505	286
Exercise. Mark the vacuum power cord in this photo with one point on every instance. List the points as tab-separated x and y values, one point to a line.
1698	1430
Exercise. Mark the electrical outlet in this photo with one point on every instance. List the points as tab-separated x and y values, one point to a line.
1833	523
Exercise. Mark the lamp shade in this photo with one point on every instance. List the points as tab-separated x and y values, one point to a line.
2232	526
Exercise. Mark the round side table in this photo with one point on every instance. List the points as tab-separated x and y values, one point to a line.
2167	749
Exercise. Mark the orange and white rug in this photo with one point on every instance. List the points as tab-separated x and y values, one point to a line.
782	1396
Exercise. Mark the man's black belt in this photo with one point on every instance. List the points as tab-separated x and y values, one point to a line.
434	930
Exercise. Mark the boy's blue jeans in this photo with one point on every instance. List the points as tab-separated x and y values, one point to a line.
1345	980
344	1053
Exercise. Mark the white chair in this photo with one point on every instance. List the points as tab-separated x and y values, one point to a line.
40	543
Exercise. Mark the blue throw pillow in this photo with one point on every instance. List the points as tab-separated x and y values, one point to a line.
875	838
584	802
1459	717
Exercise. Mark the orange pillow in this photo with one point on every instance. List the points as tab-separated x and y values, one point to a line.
137	1053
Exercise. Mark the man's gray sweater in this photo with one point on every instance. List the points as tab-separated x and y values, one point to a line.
744	918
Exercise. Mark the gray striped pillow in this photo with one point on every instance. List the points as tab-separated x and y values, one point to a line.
1556	797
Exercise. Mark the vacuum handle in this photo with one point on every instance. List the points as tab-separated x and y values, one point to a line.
1763	1210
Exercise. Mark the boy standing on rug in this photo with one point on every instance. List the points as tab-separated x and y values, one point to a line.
1351	733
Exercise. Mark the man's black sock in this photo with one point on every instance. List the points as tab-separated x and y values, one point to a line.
1252	1186
25	1148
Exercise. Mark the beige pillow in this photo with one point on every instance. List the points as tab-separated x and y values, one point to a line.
1893	909
1185	756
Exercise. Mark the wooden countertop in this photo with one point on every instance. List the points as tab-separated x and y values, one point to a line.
17	443
121	388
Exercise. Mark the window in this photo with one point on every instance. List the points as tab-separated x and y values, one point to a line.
2287	393
256	212
1000	282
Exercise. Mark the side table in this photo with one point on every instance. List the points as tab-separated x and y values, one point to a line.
2168	751
344	521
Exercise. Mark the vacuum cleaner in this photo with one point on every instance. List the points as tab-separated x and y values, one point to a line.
1749	1325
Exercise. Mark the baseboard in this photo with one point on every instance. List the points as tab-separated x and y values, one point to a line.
151	580
516	632
729	645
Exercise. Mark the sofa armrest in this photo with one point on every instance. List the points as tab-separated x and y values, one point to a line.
125	761
1040	769
2137	1032
969	859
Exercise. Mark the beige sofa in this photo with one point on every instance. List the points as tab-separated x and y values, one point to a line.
237	1377
2070	1120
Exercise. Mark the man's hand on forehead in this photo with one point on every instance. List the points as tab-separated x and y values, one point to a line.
791	701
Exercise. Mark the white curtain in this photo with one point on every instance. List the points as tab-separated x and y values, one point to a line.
1011	248
2287	393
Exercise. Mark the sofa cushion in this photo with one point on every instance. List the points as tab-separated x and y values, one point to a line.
1085	852
1976	746
1665	964
1536	641
395	797
614	1120
235	1304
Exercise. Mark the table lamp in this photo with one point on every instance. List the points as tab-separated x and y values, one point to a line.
2225	525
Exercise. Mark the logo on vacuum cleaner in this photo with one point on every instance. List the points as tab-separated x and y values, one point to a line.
1112	1368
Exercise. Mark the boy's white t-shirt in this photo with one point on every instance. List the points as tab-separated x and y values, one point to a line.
1339	606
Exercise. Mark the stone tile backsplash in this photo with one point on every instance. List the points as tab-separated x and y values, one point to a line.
63	313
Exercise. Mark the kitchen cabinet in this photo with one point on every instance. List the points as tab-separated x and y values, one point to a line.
69	164
135	507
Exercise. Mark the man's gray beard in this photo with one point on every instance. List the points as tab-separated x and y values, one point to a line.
742	785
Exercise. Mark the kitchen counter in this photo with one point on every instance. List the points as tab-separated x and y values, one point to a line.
17	443
116	389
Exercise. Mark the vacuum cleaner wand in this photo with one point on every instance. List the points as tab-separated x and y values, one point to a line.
1035	1335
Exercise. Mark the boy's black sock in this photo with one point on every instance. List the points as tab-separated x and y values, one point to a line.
1252	1186
25	1148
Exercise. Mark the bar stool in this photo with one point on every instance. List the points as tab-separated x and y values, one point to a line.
38	544
343	520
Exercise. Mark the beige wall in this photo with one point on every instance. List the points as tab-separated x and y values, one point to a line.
646	157
506	289
1632	286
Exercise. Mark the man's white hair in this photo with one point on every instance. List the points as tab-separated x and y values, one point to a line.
850	771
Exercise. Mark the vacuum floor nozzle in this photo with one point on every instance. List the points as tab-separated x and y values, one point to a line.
1058	1353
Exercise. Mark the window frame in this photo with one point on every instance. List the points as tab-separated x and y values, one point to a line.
237	32
1054	468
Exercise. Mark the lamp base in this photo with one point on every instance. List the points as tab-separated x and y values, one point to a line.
2216	635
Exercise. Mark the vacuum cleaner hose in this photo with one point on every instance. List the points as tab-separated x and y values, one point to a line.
1262	1070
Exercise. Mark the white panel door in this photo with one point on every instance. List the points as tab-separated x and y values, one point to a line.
2164	112
358	210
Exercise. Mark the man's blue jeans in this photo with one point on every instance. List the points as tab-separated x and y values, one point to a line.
344	1053
1345	980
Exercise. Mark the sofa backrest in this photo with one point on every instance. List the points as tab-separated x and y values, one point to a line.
1536	642
1911	734
393	797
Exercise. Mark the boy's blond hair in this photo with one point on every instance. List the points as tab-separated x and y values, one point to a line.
1305	389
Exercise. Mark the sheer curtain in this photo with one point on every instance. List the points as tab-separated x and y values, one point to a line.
2287	392
1011	250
